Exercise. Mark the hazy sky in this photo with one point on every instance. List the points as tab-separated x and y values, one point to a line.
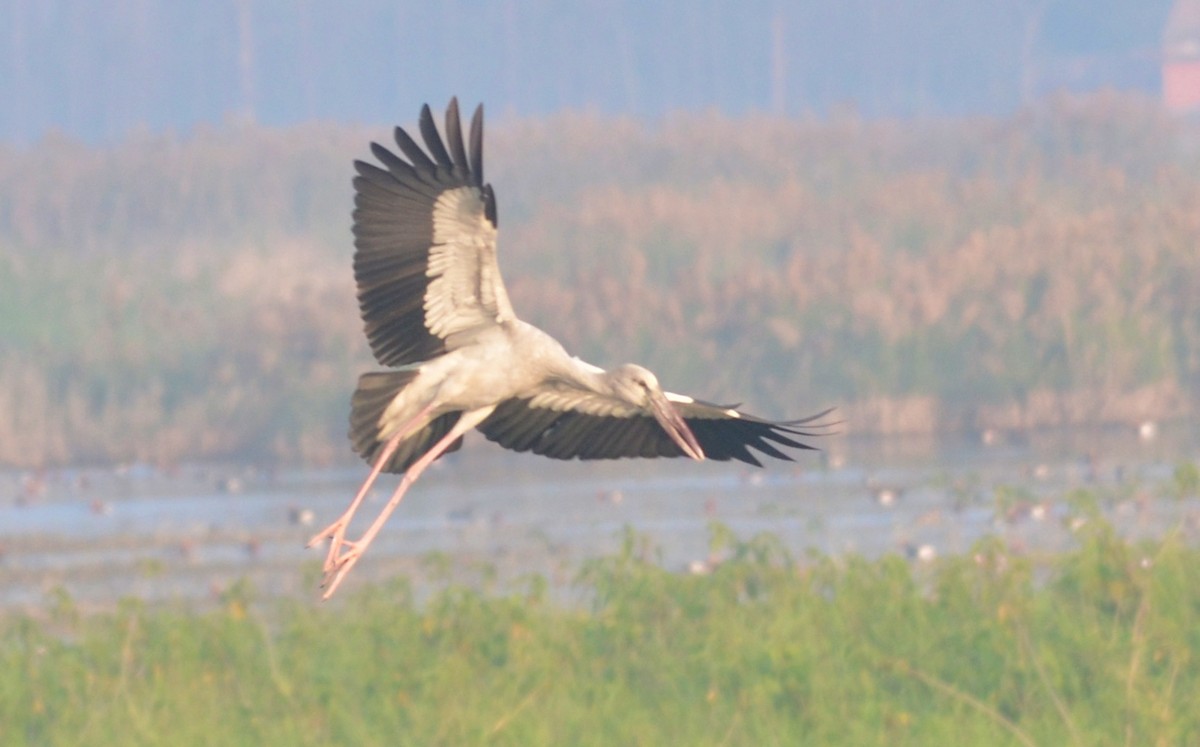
98	70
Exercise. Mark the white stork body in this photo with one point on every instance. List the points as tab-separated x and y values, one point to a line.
435	309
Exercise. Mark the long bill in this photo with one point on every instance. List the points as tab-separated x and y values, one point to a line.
675	426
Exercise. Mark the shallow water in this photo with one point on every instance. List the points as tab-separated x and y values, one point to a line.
101	535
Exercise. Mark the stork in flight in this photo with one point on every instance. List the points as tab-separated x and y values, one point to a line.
435	310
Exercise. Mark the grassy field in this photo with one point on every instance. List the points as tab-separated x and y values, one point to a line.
1098	646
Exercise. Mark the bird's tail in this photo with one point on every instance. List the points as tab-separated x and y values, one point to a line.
375	392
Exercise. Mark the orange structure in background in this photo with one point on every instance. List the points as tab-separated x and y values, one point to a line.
1181	58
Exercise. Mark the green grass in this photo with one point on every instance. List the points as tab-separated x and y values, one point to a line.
1098	646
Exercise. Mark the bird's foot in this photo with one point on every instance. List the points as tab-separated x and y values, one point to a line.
330	532
336	533
335	572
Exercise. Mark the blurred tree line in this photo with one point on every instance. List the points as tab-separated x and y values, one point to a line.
100	70
167	298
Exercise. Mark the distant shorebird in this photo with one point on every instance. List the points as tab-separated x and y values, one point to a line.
435	310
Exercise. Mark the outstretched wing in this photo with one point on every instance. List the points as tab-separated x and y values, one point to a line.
569	424
425	239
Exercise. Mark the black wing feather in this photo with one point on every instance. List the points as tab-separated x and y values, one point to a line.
477	147
460	164
409	147
574	434
433	141
398	167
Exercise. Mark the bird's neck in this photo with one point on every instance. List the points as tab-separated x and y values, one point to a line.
584	375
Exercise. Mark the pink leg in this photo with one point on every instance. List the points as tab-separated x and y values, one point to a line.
345	561
337	530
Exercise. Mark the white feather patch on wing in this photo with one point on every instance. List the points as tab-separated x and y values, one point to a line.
564	400
466	289
683	399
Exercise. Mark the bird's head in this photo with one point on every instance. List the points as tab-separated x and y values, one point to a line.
640	388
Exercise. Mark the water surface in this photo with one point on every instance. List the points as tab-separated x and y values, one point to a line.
104	534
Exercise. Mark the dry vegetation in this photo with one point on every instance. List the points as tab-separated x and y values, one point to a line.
192	296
